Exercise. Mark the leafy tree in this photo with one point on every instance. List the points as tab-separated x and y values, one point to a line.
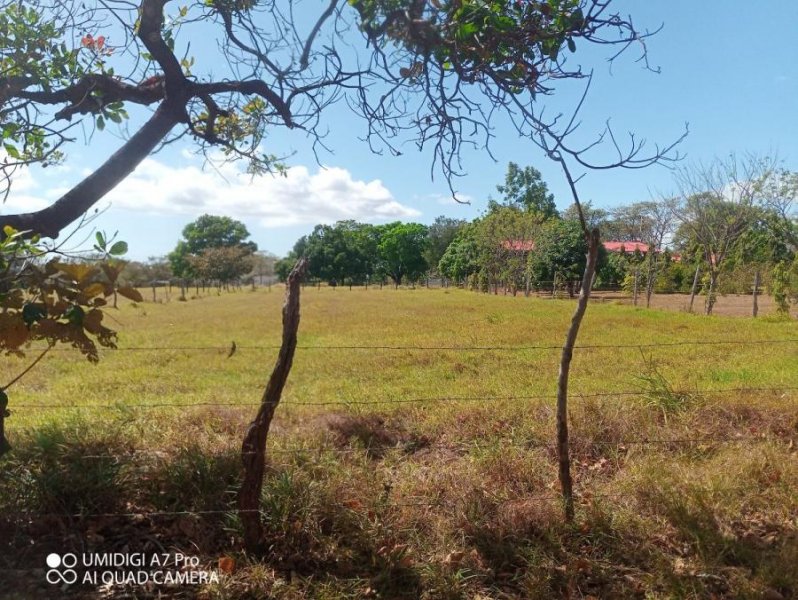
461	258
505	236
526	188
650	222
561	251
224	264
283	266
342	252
780	196
594	217
401	249
208	232
439	236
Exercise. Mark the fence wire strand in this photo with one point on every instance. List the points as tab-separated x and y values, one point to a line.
447	348
642	393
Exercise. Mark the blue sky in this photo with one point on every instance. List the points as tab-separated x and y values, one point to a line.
728	68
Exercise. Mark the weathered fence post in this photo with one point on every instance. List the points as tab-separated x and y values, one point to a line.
253	449
757	281
694	288
153	293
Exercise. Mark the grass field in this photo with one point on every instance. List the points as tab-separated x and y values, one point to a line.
401	472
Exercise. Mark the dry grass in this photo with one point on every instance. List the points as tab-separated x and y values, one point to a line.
448	499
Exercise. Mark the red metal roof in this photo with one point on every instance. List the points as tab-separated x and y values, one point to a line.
615	246
610	246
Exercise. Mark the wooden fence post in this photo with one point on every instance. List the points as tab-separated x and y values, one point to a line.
253	449
694	288
757	281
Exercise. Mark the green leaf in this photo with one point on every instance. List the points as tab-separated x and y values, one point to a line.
100	123
12	150
118	248
100	239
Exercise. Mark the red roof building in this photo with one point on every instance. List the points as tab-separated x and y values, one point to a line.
609	246
614	246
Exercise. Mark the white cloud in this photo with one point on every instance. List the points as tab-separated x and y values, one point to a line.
23	196
299	198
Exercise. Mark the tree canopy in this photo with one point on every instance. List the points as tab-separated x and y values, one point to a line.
209	245
435	71
526	188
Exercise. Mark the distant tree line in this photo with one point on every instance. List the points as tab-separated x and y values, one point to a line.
728	222
352	253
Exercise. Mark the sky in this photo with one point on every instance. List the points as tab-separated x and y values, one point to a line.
728	68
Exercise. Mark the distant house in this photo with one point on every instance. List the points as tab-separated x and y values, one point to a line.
610	246
631	246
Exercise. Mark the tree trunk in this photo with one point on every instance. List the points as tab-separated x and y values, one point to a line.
713	281
4	445
70	207
652	271
756	293
563	453
634	295
253	449
694	289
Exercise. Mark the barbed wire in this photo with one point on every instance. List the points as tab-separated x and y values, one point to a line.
445	348
417	400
